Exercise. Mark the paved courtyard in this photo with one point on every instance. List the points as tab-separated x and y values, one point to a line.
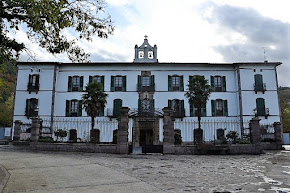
50	172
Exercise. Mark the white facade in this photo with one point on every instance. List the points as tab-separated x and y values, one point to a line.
239	92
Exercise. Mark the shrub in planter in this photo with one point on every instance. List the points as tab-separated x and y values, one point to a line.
198	136
60	133
232	136
115	136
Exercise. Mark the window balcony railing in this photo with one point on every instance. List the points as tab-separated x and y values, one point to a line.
260	87
150	88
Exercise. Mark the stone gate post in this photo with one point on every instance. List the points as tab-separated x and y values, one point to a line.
255	131
17	130
168	131
123	131
35	125
278	135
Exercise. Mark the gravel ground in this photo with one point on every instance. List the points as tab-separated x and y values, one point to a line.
269	172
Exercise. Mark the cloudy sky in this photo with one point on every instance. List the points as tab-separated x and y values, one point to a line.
194	31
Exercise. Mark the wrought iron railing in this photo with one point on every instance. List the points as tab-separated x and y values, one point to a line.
259	87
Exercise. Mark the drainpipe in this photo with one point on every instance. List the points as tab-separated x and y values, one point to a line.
53	97
280	114
240	100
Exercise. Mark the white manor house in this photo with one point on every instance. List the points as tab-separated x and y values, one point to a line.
240	91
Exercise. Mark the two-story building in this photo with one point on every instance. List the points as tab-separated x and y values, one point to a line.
240	91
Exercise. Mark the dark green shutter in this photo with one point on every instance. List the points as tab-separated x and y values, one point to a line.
112	83
37	82
212	83
169	103
260	102
69	87
225	108
102	111
224	84
80	113
81	83
181	86
169	83
117	106
258	82
203	110
152	83
90	79
190	78
213	108
139	106
67	108
139	83
182	108
27	107
191	109
124	87
103	82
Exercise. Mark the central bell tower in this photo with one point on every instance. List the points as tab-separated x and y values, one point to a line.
146	53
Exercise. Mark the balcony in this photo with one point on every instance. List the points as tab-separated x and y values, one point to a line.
150	88
260	87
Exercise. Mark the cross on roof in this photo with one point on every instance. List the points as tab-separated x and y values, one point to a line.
145	36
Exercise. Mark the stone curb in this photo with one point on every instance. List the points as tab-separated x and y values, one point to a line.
5	179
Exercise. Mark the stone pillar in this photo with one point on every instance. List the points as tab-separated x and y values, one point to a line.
168	131
255	131
123	131
17	130
35	125
278	135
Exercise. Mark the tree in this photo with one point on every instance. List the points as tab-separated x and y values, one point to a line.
6	110
94	100
197	93
46	20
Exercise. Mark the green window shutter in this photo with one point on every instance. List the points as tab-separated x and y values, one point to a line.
212	83
152	83
124	87
117	106
37	82
203	110
169	83
181	85
69	87
103	82
258	82
29	85
191	109
112	83
213	108
102	112
139	106
67	108
224	84
182	108
169	103
90	79
260	102
80	110
225	108
139	83
27	107
81	83
190	78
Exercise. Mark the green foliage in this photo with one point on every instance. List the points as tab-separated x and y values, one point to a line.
198	93
284	94
46	21
45	139
232	136
94	100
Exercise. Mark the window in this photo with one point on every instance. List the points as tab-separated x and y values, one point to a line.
118	83
175	83
73	108
117	105
218	83
75	83
97	79
259	85
150	54
31	107
194	111
141	54
146	83
177	106
260	104
33	83
219	107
